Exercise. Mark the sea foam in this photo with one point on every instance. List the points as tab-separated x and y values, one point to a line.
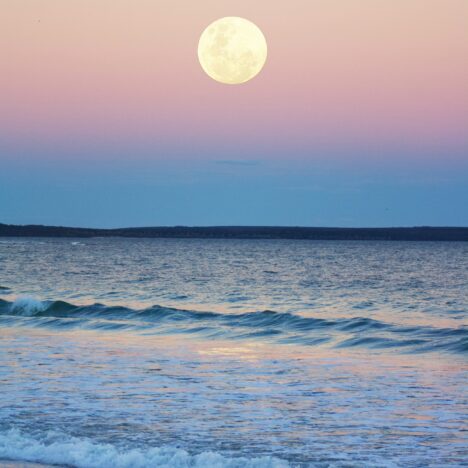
56	448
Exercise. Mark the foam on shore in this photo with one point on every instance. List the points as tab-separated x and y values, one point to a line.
59	449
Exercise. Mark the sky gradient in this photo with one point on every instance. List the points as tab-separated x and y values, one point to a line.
359	118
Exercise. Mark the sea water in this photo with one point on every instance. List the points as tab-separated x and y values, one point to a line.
233	353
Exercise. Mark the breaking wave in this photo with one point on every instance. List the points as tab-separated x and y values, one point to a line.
280	327
58	449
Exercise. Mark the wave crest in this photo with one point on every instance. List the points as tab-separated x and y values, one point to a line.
56	448
27	306
280	327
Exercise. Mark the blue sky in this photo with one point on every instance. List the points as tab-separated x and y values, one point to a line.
226	191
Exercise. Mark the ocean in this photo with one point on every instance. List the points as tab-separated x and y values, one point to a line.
133	353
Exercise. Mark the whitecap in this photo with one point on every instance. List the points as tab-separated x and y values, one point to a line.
27	306
56	448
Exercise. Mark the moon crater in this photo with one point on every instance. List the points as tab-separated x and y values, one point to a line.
232	50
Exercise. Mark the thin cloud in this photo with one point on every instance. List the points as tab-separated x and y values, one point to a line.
236	162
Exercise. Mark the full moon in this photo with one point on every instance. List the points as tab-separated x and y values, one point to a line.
232	50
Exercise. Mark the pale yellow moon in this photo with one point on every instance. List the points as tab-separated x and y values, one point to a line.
232	50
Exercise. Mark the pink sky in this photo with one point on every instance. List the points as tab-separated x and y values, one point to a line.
388	74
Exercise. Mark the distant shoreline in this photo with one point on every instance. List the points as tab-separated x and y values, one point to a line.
421	233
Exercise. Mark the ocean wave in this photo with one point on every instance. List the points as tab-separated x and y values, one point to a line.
59	449
27	306
280	327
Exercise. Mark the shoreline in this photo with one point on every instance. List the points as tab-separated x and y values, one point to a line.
26	464
417	233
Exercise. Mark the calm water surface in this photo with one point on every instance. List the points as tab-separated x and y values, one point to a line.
135	353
